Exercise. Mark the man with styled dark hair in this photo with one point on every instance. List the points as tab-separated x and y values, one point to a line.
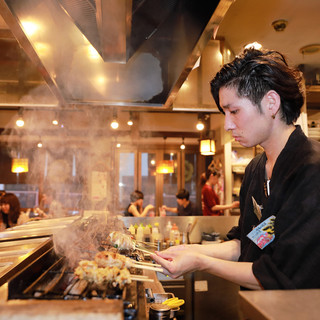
185	206
276	244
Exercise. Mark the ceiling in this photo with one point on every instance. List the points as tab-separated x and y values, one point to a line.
246	21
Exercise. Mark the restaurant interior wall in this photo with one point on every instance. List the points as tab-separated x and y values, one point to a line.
93	144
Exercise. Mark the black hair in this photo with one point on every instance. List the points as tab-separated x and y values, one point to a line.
183	194
136	195
254	73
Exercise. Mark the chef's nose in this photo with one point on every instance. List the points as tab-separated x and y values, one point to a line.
228	123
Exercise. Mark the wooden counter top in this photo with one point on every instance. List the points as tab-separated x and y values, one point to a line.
280	304
156	285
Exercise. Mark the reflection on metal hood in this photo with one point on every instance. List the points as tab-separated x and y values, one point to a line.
112	52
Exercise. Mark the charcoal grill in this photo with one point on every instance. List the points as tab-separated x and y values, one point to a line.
48	277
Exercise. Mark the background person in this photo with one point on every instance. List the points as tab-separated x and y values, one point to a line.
261	97
185	206
50	207
10	214
210	201
135	208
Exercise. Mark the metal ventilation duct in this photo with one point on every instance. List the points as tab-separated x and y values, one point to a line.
113	52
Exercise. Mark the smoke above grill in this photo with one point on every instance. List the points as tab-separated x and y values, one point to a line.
82	239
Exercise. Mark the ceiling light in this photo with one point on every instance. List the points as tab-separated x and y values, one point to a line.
182	146
130	121
200	125
30	27
39	145
279	25
20	121
118	145
310	49
114	124
55	119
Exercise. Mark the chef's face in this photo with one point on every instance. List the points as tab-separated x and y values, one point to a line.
248	125
5	208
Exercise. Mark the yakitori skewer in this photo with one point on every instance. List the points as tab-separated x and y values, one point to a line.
88	270
126	242
108	259
148	263
121	240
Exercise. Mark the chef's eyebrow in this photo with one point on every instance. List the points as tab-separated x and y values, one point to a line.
225	107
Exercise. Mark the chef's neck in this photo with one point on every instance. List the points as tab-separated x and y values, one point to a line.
275	144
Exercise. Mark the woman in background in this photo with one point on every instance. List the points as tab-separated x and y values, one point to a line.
135	207
10	214
210	201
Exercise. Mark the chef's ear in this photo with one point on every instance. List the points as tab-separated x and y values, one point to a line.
273	102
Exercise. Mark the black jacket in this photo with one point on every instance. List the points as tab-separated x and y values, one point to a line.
292	260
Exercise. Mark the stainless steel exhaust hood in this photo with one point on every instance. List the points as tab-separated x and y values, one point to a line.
113	52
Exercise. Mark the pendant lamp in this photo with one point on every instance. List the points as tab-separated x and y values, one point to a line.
19	165
207	147
165	166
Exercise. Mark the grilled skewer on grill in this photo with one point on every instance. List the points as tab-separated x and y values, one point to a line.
91	272
110	259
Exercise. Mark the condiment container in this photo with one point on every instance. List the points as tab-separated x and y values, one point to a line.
159	311
140	233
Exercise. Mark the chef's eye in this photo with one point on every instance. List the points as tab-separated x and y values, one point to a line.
234	111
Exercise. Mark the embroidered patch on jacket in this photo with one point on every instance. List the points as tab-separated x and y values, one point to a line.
256	208
263	234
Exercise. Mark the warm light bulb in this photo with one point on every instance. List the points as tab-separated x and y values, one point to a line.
153	162
55	122
182	146
39	144
118	145
30	27
200	126
20	122
114	124
130	122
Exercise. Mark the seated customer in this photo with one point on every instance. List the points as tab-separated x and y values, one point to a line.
49	206
185	206
10	213
135	207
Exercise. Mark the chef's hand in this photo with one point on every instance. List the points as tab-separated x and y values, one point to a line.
178	260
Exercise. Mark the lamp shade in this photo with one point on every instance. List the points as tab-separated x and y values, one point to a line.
19	165
207	147
165	166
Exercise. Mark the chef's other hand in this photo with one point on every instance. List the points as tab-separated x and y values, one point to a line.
177	262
